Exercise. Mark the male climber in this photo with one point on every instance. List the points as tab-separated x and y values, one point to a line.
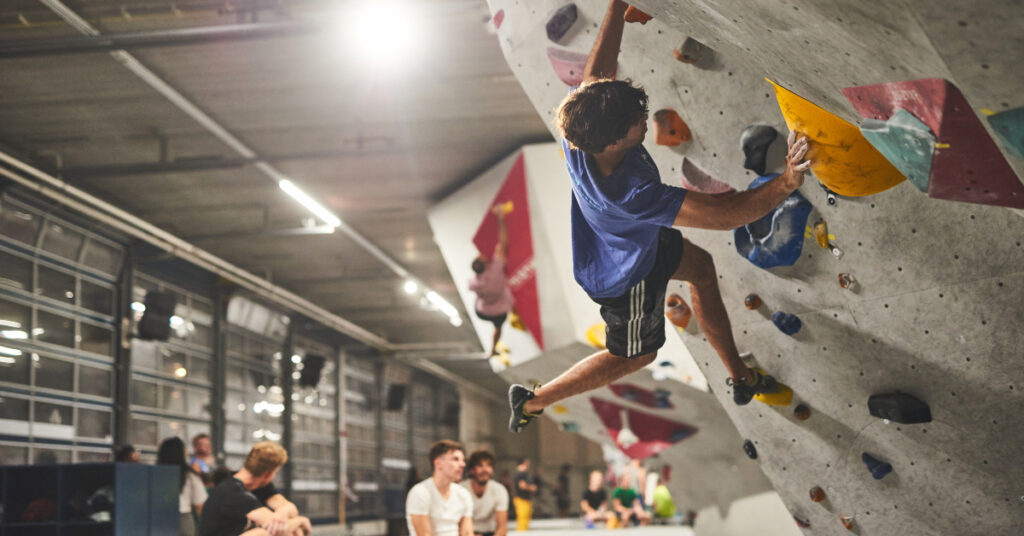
624	248
493	296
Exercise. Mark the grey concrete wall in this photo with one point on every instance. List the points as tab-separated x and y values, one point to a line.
940	302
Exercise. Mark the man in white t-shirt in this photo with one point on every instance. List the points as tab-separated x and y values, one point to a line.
490	498
436	507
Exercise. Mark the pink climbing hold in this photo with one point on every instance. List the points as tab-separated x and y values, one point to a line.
498	18
967	164
696	180
568	65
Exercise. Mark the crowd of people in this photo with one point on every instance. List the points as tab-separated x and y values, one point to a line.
447	504
217	501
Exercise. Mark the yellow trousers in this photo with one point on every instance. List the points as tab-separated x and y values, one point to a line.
524	511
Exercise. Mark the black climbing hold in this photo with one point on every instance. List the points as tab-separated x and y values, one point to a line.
755	141
748	447
877	467
804	524
691	51
561	21
899	407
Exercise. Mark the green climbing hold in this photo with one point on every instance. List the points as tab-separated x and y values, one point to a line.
1009	128
906	142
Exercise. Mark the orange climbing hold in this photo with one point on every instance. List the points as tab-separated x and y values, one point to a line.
841	158
677	311
817	494
847	521
635	15
752	302
801	412
669	128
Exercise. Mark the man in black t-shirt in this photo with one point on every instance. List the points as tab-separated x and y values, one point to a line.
595	501
248	504
522	494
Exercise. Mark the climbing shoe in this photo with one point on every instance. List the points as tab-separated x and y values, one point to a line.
743	392
517	397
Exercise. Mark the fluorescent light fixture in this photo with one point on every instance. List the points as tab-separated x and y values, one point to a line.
7	350
10	324
17	334
180	372
296	358
4	360
138	307
410	286
442	304
177	321
311	205
455	320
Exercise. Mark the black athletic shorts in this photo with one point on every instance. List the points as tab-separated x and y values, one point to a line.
635	321
497	320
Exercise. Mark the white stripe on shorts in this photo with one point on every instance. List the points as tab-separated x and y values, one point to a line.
633	326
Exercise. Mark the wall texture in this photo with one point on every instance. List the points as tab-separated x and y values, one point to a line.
940	299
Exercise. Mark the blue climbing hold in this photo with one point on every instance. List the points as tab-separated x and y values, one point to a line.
778	237
559	23
877	467
906	142
1009	128
661	398
786	322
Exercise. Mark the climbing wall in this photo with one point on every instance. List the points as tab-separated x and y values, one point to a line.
937	308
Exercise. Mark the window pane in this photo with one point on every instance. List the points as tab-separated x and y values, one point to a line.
13	455
51	456
15	271
88	456
18	224
93	424
52	413
200	371
54	373
202	335
142	433
62	241
55	329
97	298
15	409
14	320
173	363
173	428
143	393
14	365
173	399
97	339
198	404
144	354
56	285
103	257
94	381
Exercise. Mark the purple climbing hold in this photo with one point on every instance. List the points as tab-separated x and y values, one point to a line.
786	322
560	23
877	467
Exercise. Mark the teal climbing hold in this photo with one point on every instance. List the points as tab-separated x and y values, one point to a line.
1009	128
906	142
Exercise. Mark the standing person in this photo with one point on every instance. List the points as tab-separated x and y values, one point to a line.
526	488
624	248
438	506
595	501
248	503
562	491
192	493
202	460
490	498
493	296
626	505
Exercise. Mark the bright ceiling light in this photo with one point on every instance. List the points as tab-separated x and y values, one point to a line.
455	320
410	286
7	350
308	202
382	34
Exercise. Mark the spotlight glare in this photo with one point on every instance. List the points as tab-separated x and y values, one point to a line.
410	286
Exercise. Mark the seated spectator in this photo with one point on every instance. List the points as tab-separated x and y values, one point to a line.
248	504
595	501
664	506
192	493
126	454
626	505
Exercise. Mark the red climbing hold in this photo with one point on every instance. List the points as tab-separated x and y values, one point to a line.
817	494
847	521
669	128
752	302
967	164
498	18
801	412
635	15
568	65
697	180
677	311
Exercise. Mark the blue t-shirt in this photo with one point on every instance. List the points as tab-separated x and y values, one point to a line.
616	220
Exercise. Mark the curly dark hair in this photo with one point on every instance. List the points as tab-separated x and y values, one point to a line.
478	457
600	113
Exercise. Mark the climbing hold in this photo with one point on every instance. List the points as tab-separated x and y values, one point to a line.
691	51
597	335
749	448
507	207
877	467
559	23
780	395
752	302
786	322
677	311
840	156
696	180
515	321
498	18
640	395
570	426
754	141
680	434
847	521
822	237
661	398
635	15
899	407
906	142
969	167
559	409
801	412
801	523
775	239
847	281
669	128
568	65
1009	128
817	494
830	196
